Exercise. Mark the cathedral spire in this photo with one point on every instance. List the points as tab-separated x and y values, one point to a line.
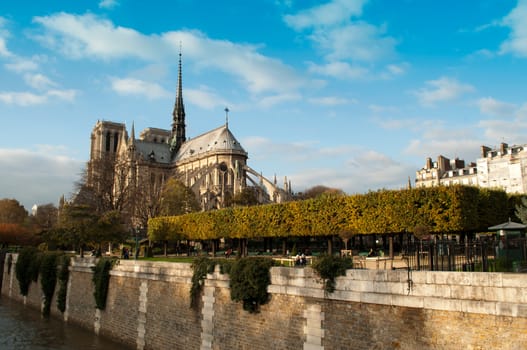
178	124
131	140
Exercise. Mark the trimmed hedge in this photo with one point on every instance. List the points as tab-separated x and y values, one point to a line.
441	209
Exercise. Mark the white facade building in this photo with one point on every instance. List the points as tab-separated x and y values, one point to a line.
504	168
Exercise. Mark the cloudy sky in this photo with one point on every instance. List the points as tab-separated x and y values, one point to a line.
353	94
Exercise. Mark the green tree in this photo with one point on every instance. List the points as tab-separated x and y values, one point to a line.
246	197
45	217
109	228
178	199
317	191
521	210
76	226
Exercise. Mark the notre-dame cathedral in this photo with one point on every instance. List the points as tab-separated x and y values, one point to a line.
213	164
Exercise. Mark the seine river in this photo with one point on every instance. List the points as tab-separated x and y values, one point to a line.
22	328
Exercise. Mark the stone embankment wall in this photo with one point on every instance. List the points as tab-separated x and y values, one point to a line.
148	308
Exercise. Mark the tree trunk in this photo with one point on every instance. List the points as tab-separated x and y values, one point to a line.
330	246
213	242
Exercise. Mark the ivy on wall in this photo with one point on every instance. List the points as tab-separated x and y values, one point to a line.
200	266
63	277
101	281
48	279
249	279
24	268
442	209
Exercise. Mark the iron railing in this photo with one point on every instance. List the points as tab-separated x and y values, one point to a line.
479	255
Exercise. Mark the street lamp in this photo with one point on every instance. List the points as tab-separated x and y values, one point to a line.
136	243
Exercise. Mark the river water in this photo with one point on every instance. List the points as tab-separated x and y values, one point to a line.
23	328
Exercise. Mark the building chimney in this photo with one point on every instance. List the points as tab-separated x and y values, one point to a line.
503	148
428	163
484	151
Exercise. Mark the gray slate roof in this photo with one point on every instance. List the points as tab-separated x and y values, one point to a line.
219	139
159	151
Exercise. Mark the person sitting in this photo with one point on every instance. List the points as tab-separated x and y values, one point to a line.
298	260
303	260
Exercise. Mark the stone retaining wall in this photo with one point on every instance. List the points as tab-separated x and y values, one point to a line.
148	308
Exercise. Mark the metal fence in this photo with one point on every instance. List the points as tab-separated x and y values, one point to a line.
480	255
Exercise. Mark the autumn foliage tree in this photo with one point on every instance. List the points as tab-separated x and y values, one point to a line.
12	212
14	226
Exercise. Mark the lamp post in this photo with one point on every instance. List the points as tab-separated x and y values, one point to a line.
136	243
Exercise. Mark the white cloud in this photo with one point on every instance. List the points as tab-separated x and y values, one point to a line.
205	98
51	175
358	41
482	53
22	65
65	95
108	4
269	101
395	124
339	70
331	101
25	99
442	89
332	13
348	167
466	148
3	48
336	31
22	98
88	36
493	107
516	43
362	171
521	113
512	132
4	34
130	86
382	109
38	81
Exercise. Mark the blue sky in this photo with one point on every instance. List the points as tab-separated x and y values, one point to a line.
352	94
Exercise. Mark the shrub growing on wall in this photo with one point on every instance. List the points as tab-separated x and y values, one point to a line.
249	279
200	266
48	279
101	281
24	268
329	267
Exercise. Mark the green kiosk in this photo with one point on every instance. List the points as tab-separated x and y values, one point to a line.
511	243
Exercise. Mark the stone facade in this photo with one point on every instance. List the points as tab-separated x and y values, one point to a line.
213	164
504	167
148	308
